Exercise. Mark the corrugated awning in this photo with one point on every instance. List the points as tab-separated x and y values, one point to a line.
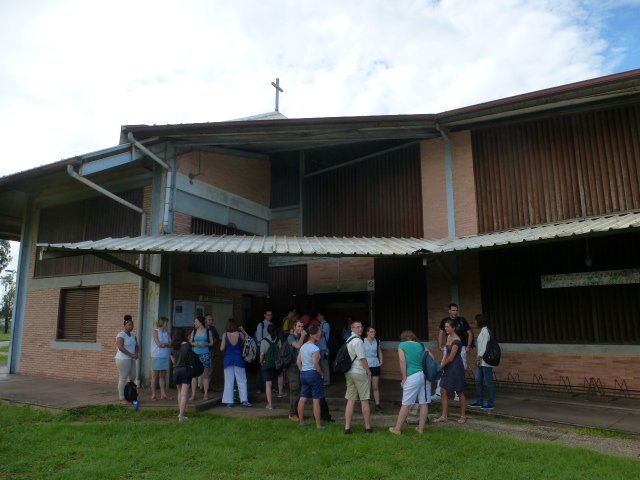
336	246
245	244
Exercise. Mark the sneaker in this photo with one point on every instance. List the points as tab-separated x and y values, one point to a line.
282	395
436	397
378	409
321	427
182	418
303	425
229	405
247	404
476	405
369	430
487	406
456	398
269	407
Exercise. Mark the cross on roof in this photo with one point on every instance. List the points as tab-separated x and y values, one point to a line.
276	85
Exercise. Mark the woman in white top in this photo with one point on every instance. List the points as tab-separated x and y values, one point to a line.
126	356
373	352
311	377
160	353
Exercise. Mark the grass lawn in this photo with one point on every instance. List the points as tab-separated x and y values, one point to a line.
115	443
5	337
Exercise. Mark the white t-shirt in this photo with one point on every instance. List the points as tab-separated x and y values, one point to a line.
356	350
129	345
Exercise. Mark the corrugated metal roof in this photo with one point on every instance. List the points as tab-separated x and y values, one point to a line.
270	245
352	247
537	233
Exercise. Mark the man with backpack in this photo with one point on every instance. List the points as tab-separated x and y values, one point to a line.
261	333
358	380
484	372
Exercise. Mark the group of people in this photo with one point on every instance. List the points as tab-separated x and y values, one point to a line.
307	372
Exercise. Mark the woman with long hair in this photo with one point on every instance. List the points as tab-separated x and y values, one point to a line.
234	366
179	350
201	341
453	374
160	353
373	352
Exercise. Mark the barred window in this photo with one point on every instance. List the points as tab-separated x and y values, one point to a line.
78	315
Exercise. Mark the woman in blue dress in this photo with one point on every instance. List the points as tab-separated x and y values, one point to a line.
453	375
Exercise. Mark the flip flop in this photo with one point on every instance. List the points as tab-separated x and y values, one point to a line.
462	420
441	420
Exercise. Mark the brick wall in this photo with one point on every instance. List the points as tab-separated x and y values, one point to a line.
350	274
181	223
547	368
465	187
41	317
284	226
434	199
247	177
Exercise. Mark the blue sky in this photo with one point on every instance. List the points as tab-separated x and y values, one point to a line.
72	72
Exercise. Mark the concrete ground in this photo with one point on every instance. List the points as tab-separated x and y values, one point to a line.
620	414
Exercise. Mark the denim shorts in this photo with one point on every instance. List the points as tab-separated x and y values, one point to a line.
311	385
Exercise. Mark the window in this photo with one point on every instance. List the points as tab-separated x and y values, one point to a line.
78	316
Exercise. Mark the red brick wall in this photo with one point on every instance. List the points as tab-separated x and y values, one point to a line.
284	226
41	316
332	272
181	223
464	185
434	199
244	176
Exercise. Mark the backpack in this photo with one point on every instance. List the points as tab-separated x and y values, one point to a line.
249	349
193	364
492	352
430	367
271	356
343	359
130	392
285	356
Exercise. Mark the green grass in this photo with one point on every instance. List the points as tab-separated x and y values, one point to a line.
600	433
114	443
5	337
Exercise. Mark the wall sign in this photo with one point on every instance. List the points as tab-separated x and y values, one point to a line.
588	279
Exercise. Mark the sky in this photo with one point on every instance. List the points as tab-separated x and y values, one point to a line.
72	72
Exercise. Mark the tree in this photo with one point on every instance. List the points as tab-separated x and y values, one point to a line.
5	254
7	281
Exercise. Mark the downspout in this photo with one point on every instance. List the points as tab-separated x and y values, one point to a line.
451	207
164	228
143	231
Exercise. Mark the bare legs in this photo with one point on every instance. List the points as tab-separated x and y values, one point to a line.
404	413
183	394
375	385
267	389
161	376
366	413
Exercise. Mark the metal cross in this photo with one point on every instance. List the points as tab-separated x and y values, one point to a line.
276	85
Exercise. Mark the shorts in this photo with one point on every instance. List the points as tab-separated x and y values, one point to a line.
375	371
311	385
180	376
416	389
205	358
358	386
269	374
159	363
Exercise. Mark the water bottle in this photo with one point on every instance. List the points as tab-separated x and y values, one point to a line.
136	405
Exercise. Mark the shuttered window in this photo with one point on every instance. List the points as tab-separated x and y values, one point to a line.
78	317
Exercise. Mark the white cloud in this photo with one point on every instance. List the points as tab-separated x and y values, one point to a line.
72	72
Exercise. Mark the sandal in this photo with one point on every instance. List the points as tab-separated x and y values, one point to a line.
441	420
462	420
419	430
154	398
166	397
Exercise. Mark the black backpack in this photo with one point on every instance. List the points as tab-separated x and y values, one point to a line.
285	355
130	392
272	355
193	364
343	359
492	352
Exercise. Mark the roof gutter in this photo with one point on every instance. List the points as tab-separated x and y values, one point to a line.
167	197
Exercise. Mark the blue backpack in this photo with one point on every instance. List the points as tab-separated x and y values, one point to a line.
430	367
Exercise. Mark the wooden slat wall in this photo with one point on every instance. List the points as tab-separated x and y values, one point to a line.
78	317
547	170
243	267
522	312
400	297
378	197
91	219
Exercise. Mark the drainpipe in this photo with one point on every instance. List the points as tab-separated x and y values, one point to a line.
143	231
167	196
451	207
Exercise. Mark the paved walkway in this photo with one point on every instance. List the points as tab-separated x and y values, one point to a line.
613	414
